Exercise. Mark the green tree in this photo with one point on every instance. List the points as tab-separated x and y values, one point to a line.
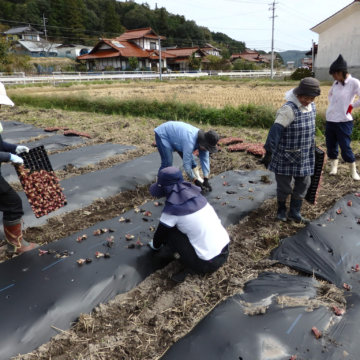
133	63
194	62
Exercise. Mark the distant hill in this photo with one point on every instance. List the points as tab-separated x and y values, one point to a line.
293	55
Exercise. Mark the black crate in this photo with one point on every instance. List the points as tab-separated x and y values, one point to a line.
312	193
37	159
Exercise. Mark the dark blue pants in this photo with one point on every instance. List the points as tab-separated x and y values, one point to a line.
10	202
339	134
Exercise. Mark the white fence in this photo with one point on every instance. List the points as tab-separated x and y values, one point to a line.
60	77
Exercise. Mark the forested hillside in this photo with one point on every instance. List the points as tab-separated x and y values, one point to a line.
84	21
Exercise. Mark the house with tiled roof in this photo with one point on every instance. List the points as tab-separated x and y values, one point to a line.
252	56
181	57
115	53
339	34
211	50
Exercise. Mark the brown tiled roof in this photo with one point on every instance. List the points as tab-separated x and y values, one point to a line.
118	48
183	52
138	34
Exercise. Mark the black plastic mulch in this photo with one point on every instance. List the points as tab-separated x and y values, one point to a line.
37	292
329	247
281	332
77	158
236	193
15	131
57	142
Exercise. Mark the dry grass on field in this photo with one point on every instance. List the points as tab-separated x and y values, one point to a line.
214	94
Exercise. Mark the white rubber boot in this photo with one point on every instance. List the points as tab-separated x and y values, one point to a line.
354	173
197	174
334	166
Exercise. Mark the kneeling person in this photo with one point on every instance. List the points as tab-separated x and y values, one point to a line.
189	225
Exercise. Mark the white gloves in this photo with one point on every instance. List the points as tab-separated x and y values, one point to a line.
197	174
21	148
16	159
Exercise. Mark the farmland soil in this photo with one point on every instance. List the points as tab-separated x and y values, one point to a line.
146	321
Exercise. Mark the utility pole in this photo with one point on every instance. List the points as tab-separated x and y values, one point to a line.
272	38
44	20
160	65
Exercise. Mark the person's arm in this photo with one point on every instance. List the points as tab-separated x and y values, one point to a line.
187	161
9	147
356	104
205	163
4	156
160	236
284	117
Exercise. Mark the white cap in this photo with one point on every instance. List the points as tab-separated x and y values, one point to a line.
4	99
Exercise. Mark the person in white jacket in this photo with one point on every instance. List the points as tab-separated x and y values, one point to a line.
339	121
188	225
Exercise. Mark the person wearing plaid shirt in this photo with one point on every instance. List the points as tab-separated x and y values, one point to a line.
290	148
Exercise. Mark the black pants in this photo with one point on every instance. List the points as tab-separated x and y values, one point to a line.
10	202
179	242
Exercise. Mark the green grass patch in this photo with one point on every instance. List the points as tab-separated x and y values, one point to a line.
252	116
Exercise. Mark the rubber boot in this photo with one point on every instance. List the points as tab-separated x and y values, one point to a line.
334	166
281	212
353	171
294	213
14	237
197	174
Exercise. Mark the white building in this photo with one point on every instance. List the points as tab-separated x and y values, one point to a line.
339	34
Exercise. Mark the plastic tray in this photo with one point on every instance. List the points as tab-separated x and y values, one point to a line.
39	182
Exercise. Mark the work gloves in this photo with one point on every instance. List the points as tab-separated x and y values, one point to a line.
151	245
204	186
207	185
21	149
266	159
16	159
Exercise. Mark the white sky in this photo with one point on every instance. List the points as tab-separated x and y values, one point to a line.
250	20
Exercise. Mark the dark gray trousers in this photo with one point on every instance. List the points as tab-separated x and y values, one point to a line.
297	186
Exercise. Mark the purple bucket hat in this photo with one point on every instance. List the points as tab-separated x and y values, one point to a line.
182	197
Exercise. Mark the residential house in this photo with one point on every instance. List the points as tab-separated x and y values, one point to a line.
252	56
27	41
115	53
72	51
180	57
27	33
211	50
339	34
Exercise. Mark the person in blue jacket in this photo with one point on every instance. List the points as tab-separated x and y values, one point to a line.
10	201
290	148
185	139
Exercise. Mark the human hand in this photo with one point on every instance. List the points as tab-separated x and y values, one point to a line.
199	184
151	245
207	185
266	159
16	159
349	110
21	148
